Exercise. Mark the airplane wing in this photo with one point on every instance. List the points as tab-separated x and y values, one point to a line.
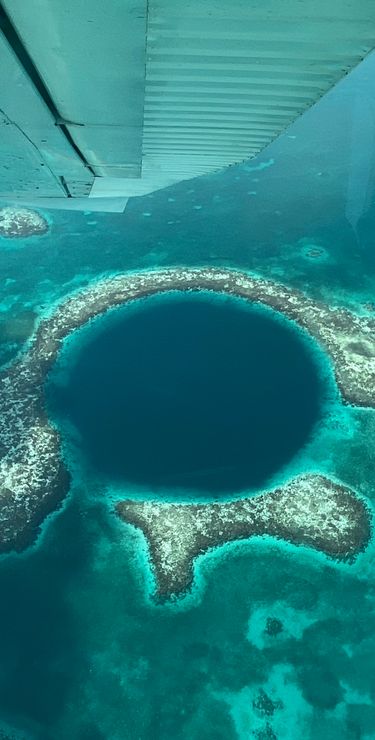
109	100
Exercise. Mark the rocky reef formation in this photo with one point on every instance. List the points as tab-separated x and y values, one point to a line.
33	478
21	222
347	338
309	510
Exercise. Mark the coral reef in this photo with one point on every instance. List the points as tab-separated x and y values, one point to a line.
21	222
309	510
33	478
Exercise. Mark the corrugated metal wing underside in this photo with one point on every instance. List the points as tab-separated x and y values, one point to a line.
153	93
221	86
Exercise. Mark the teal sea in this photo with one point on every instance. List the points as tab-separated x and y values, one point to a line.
274	642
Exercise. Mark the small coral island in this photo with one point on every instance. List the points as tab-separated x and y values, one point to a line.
310	510
21	222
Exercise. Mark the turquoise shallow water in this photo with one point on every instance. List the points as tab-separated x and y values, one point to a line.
84	652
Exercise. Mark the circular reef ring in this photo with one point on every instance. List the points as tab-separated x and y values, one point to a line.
310	510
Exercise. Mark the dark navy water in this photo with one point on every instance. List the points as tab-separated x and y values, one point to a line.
38	646
191	392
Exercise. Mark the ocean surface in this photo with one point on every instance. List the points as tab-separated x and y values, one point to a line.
275	641
188	392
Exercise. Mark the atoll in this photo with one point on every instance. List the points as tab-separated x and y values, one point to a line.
21	222
34	479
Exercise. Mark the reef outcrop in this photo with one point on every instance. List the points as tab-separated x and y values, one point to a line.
21	222
310	510
33	477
